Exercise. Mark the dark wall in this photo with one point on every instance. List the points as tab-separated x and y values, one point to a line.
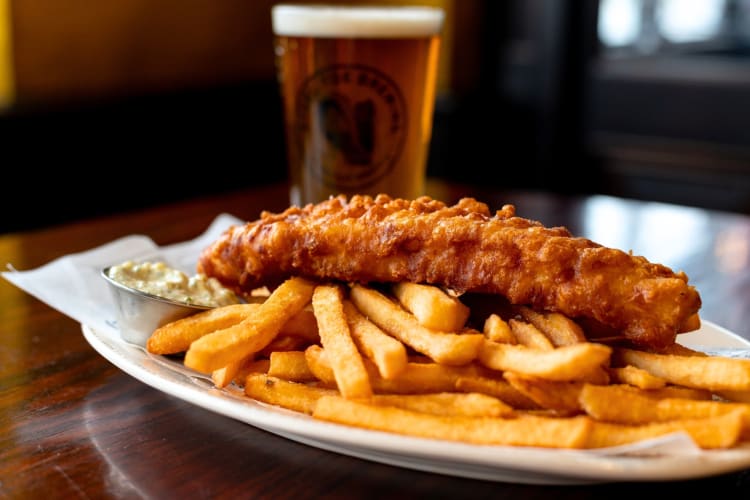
85	159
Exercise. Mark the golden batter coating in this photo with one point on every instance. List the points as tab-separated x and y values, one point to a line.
463	247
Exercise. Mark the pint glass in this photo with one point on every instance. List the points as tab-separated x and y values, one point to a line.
358	90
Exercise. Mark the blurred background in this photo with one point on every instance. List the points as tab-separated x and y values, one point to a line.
119	105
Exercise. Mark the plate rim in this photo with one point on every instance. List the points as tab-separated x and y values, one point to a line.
495	463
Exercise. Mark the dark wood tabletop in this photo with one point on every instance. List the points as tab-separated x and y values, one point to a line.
72	425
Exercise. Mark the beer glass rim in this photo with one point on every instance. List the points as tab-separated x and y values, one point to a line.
358	21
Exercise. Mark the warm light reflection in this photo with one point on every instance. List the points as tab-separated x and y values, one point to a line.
606	221
642	23
732	249
7	82
660	232
119	481
689	20
619	22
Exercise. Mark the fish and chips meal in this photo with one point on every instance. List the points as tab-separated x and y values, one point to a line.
451	322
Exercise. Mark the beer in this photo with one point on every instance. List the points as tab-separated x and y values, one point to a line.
358	88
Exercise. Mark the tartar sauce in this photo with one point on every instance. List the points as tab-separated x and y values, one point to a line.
159	279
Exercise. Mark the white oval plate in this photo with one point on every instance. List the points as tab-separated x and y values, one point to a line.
494	463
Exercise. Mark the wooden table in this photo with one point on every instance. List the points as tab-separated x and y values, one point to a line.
72	425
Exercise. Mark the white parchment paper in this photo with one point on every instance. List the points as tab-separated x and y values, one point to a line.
73	285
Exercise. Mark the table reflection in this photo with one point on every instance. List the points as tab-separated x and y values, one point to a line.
703	244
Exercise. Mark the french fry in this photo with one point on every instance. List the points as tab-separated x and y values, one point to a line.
636	377
613	404
560	396
447	403
599	376
672	391
560	329
571	362
291	395
529	335
318	363
722	431
416	378
496	387
302	325
443	347
248	367
497	329
432	307
388	354
176	336
283	342
348	368
421	378
290	365
738	396
252	334
521	431
713	373
224	375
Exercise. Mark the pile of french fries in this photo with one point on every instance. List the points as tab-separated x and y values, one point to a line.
402	359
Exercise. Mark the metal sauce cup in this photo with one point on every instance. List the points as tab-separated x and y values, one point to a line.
140	313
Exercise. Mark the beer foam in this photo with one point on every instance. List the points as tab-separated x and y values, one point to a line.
356	22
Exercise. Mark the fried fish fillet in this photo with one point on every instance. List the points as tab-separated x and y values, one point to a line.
463	247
